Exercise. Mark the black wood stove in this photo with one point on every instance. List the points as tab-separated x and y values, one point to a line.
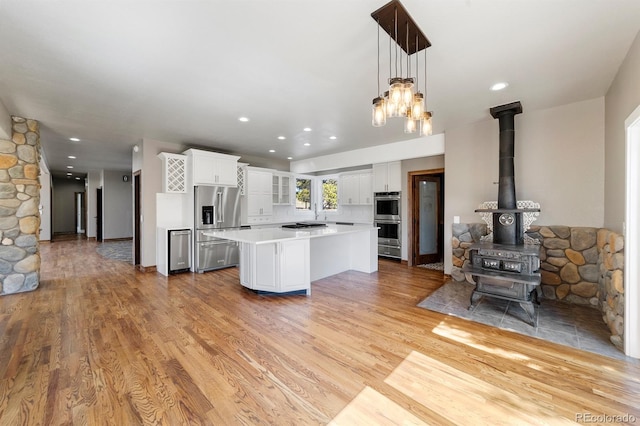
506	268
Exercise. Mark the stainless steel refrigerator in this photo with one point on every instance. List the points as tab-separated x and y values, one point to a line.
216	207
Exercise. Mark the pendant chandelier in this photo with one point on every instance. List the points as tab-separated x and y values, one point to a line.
403	97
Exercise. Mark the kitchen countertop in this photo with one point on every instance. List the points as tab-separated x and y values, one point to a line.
272	235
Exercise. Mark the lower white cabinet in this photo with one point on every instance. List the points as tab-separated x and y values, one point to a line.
277	267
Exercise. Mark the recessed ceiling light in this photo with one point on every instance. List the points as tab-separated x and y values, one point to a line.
281	138
307	129
72	157
69	173
69	167
243	119
272	150
74	139
77	178
289	158
333	138
307	144
499	86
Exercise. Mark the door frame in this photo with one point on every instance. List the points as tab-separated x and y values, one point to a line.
632	236
137	217
99	216
410	218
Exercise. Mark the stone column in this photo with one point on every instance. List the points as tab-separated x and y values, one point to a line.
19	208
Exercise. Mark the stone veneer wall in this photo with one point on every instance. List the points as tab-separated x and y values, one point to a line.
19	208
578	265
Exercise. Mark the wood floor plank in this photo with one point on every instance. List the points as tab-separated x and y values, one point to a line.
102	343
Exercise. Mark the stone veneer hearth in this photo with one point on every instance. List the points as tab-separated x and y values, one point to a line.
579	265
19	208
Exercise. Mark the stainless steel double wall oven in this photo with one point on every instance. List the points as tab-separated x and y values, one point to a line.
386	216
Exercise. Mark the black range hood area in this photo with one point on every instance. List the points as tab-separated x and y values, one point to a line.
303	225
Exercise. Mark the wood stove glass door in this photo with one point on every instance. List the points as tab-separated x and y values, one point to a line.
427	216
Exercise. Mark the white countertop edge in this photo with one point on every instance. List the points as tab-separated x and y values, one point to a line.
173	228
273	235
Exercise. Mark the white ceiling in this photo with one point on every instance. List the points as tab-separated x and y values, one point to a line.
114	72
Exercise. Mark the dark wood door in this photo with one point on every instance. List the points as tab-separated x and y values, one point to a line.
136	218
99	214
428	219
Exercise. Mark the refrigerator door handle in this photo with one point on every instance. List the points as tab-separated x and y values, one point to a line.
221	210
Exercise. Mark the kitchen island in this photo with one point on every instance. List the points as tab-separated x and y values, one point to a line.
282	260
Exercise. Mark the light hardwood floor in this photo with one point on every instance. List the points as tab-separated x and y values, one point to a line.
100	343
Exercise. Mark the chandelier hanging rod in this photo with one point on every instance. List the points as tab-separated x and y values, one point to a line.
409	37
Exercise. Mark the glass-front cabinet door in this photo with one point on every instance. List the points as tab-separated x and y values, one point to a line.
281	189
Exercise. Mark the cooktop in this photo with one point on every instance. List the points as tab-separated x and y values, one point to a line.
299	225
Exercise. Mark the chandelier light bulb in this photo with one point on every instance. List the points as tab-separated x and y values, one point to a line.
410	125
427	127
396	88
407	91
378	112
390	107
417	107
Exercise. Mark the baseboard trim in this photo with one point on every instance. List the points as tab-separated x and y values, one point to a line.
146	269
118	239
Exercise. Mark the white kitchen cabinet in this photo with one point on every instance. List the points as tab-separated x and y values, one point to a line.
281	189
276	267
366	188
259	196
212	168
174	173
387	177
356	189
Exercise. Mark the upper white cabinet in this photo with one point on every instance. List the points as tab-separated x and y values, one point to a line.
259	196
356	189
212	168
387	177
366	188
281	189
174	173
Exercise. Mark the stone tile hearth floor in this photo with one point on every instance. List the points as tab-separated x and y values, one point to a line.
116	250
570	325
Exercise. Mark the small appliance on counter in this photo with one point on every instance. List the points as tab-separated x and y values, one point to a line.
216	208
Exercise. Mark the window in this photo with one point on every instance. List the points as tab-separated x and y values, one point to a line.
303	193
330	194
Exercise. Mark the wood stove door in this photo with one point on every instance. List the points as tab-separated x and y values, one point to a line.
428	219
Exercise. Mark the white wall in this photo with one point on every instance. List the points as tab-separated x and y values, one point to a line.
45	202
63	204
559	162
416	164
117	206
621	100
146	160
6	128
414	148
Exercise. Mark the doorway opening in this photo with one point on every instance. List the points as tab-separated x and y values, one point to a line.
137	217
99	214
425	229
80	212
632	237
